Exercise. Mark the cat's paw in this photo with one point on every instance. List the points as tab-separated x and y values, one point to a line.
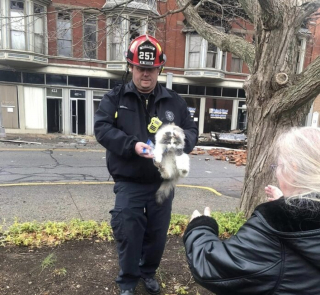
183	172
157	158
157	164
165	174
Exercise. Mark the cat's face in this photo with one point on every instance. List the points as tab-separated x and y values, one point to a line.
171	136
171	139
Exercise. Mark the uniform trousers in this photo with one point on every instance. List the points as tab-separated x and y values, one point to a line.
140	228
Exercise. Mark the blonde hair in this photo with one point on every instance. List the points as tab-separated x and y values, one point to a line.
298	152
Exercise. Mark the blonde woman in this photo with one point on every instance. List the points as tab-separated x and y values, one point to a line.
277	251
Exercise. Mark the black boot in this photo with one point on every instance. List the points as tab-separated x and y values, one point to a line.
127	292
151	285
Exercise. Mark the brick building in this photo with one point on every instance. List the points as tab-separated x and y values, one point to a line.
58	58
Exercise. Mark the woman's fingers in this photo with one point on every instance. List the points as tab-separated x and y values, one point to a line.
207	211
195	214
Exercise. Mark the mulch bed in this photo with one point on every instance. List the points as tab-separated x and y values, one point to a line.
85	267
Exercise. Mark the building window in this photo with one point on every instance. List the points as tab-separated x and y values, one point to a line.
236	64
90	36
135	28
10	76
98	83
224	61
300	55
201	54
242	116
212	55
52	79
17	23
116	39
33	78
39	22
119	36
64	36
194	51
152	25
218	115
78	81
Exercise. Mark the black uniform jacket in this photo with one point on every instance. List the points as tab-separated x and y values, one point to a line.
119	135
276	252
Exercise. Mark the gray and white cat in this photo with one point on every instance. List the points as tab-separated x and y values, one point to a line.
170	159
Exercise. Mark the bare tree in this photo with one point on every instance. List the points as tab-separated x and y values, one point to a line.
276	96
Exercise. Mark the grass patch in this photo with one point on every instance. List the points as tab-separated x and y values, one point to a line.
37	234
229	223
53	233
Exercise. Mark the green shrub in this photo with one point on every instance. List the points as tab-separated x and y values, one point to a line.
53	233
229	222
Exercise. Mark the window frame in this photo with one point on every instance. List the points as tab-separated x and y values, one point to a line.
203	51
140	30
24	31
42	36
215	54
232	64
119	28
116	25
301	53
191	51
70	28
87	19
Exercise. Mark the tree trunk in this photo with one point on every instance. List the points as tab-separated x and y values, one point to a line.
263	130
270	109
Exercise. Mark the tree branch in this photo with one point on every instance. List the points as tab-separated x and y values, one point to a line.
226	42
173	11
249	7
309	8
302	91
271	13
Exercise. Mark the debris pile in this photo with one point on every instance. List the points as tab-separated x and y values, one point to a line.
234	139
237	157
197	151
232	156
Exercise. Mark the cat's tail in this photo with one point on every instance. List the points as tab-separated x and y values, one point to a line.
164	190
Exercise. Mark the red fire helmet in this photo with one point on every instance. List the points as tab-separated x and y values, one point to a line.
145	51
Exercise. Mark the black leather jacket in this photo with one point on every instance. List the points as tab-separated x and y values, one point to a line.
277	251
120	135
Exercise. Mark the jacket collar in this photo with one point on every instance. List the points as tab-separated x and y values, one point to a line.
159	91
296	216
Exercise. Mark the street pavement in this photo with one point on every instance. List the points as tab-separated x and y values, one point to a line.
28	199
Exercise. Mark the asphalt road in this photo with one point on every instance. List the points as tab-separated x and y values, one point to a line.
60	183
65	165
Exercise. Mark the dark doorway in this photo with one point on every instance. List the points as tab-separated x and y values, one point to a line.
78	116
54	116
81	117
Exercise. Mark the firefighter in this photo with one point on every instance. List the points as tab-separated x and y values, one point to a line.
127	118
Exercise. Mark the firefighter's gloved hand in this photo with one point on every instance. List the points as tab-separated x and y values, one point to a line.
196	213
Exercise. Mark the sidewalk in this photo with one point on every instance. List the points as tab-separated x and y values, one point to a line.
62	202
54	140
